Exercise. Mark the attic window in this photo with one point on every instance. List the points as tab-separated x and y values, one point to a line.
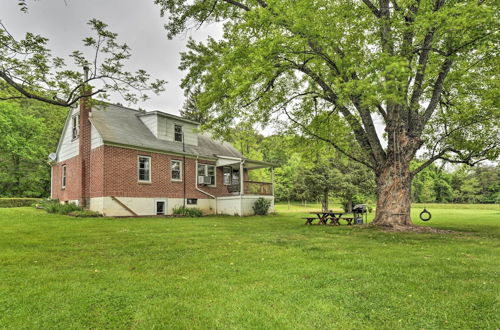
178	133
75	127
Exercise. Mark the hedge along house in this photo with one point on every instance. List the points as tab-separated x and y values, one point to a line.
124	162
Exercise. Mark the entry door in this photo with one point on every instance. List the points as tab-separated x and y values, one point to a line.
160	207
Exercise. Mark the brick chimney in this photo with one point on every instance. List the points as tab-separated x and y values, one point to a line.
85	109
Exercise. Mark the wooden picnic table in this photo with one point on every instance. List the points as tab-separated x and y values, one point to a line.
334	218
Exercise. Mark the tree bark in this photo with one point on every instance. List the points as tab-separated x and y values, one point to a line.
394	196
324	201
394	182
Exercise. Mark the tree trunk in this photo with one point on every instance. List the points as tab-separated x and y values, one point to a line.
394	195
324	201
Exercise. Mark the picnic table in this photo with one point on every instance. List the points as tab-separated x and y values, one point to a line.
334	218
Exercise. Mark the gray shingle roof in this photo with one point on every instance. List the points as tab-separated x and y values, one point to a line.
121	125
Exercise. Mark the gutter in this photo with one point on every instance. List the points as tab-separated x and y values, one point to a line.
202	191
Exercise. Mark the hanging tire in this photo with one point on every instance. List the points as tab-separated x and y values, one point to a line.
425	215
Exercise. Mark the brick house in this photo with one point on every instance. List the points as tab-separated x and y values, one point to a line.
125	162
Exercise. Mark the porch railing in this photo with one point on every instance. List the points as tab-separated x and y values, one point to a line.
258	188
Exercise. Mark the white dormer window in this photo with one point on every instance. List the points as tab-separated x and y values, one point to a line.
178	133
75	126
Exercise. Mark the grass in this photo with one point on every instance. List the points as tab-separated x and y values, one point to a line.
61	272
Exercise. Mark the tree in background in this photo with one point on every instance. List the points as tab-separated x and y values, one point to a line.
28	70
191	111
480	184
29	131
427	69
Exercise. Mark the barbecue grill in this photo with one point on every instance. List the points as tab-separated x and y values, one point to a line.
359	211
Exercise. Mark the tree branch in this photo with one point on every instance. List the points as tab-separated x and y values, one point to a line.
372	7
237	4
336	146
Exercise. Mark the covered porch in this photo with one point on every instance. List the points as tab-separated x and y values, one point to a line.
236	176
242	192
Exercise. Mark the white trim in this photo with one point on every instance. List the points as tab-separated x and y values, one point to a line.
206	173
64	176
138	168
164	206
180	170
182	133
77	117
63	132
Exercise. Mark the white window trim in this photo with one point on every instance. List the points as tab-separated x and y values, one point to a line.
206	174
180	167
138	168
164	206
182	133
77	116
64	176
230	175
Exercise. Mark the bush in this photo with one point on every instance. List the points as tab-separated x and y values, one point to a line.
188	212
53	206
17	202
85	214
261	206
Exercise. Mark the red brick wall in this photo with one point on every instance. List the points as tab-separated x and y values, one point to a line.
97	162
73	179
113	172
120	173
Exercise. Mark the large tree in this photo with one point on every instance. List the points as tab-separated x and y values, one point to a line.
427	69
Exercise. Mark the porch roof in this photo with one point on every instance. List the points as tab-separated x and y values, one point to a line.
247	163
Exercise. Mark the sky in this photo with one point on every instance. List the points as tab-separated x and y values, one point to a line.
138	23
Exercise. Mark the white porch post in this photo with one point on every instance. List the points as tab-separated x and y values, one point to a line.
272	181
242	186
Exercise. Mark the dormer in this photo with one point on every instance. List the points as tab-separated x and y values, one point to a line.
170	127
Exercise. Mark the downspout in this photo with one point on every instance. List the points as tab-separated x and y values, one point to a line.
196	185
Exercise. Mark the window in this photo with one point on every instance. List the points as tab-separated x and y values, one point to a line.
75	127
63	176
178	135
176	169
144	168
206	174
192	201
160	207
228	171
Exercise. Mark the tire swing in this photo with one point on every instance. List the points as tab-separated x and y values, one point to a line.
425	215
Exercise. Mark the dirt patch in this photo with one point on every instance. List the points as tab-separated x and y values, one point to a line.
414	229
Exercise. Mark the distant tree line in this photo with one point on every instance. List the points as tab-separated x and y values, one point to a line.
464	184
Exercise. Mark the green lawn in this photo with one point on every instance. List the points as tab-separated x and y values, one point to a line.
255	272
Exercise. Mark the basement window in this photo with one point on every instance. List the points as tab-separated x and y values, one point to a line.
192	201
160	207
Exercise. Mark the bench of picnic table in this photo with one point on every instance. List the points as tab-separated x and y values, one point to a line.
334	218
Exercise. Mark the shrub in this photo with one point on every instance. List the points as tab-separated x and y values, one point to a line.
17	202
85	214
188	212
53	206
261	206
